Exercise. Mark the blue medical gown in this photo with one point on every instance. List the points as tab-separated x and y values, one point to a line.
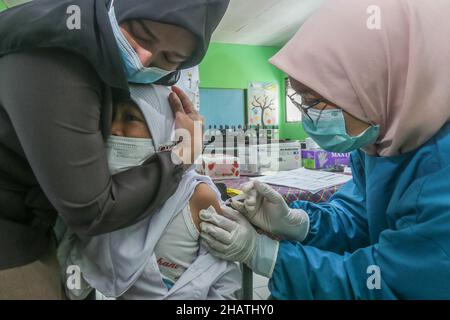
394	215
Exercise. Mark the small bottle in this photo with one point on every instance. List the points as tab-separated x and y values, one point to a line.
246	136
263	134
239	131
233	131
276	133
269	136
224	138
253	135
235	145
208	134
257	134
216	135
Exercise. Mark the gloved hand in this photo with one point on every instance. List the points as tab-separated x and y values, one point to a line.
266	209
231	237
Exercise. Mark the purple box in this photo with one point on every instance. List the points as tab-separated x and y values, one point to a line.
320	159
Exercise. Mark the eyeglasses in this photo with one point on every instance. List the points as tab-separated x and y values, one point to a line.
298	101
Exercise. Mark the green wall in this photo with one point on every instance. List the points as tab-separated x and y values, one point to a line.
229	66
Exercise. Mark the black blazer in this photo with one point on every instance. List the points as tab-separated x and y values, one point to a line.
55	115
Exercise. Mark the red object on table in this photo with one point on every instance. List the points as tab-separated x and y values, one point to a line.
289	194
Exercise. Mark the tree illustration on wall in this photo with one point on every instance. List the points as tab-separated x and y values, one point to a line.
263	104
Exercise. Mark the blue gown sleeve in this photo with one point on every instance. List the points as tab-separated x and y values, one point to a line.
340	225
410	261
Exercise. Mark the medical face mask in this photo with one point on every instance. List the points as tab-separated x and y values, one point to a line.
327	129
125	153
135	71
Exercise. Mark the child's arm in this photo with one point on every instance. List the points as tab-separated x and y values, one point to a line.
229	285
203	198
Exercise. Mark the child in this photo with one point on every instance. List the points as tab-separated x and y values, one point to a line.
160	257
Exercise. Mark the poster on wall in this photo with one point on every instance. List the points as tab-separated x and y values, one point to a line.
293	114
263	104
190	83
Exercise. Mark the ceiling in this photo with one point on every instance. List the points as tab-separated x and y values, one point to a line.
264	22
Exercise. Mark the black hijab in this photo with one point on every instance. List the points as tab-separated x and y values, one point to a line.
43	23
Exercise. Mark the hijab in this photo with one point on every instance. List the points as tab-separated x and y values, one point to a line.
396	74
43	24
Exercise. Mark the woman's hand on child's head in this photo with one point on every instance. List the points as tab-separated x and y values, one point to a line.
189	124
187	104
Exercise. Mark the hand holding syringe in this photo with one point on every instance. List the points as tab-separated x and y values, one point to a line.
267	210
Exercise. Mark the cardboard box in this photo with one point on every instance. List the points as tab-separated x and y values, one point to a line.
258	159
283	156
320	159
219	167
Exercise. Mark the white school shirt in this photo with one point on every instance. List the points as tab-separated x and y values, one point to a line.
113	263
178	246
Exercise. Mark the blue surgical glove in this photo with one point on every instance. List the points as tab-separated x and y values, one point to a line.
231	237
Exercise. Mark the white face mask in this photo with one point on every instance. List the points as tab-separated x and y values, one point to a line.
125	153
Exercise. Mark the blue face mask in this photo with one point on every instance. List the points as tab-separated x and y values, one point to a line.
327	129
135	71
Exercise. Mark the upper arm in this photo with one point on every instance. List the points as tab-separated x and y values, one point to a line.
203	198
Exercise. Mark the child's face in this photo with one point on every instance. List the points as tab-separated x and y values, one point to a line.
129	122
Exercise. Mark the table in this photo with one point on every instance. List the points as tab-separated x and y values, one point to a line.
289	194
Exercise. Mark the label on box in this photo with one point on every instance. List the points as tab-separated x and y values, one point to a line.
320	159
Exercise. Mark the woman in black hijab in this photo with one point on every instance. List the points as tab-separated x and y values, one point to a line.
61	68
